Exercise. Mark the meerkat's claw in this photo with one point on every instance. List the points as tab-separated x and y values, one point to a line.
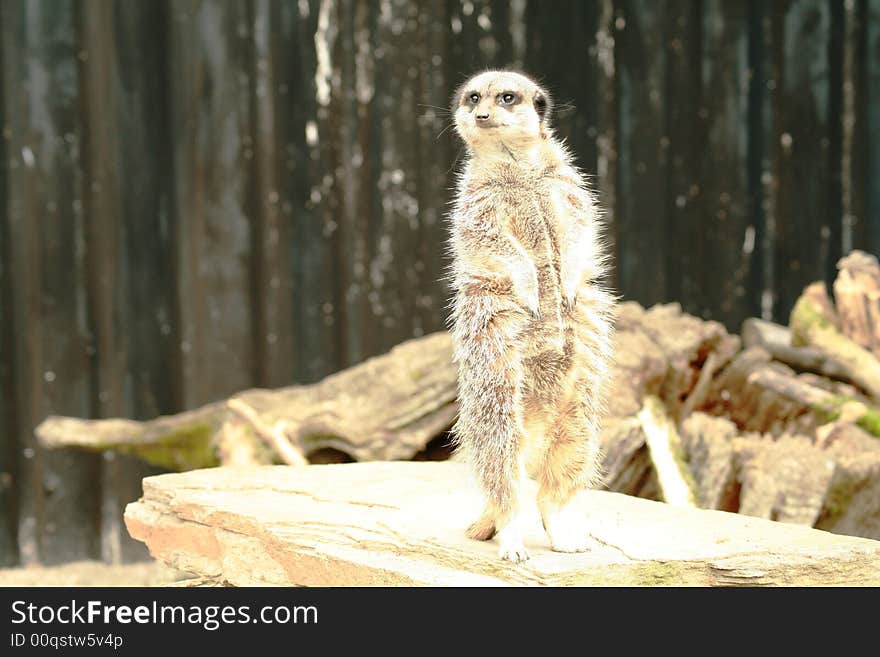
510	541
513	553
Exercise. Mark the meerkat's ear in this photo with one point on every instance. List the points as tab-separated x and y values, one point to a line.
542	105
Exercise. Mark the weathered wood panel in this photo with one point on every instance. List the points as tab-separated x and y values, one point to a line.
867	139
213	154
272	287
8	469
730	244
807	237
684	140
59	501
641	233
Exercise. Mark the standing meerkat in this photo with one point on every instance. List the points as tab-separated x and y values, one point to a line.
531	323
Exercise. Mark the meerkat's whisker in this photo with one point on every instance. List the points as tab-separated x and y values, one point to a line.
444	110
444	130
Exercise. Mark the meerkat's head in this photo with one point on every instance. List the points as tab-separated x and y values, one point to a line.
501	109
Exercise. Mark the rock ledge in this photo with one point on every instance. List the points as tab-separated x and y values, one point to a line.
402	523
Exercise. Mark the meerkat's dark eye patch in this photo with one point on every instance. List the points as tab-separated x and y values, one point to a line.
472	98
508	98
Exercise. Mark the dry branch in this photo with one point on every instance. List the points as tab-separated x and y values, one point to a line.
776	339
273	436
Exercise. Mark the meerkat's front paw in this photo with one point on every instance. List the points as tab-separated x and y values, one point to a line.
514	553
510	541
570	288
526	288
567	532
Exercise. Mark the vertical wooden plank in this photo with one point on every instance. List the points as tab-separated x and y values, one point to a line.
852	161
150	338
102	208
731	243
437	147
313	33
213	151
640	233
835	217
355	155
561	49
131	359
685	121
59	502
760	199
806	245
392	246
8	428
606	120
871	131
151	380
273	282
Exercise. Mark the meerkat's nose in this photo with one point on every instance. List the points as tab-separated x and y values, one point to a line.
482	116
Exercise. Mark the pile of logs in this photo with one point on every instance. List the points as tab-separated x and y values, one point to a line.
780	422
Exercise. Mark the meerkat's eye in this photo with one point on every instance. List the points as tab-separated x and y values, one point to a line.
474	98
507	98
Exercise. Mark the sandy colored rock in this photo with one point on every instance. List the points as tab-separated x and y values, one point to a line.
403	523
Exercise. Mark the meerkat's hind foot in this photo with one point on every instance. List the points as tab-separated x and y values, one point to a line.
482	529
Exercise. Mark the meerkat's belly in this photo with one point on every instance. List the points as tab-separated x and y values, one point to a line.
537	227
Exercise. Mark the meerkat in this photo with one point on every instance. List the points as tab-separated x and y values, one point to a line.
531	320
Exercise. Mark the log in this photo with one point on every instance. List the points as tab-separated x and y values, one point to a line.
814	323
852	504
701	390
624	456
687	342
776	340
664	444
784	479
638	368
708	447
752	407
827	406
857	299
381	524
388	407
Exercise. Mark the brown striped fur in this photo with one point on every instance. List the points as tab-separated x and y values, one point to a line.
530	320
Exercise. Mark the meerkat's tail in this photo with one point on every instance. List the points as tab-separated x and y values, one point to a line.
483	528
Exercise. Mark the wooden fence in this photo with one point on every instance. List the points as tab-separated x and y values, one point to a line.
198	197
